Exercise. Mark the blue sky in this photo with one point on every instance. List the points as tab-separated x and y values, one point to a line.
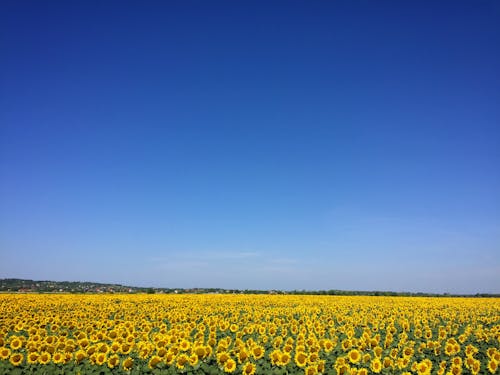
261	145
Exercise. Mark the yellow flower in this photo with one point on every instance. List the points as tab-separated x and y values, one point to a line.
275	356
4	353
127	364
346	344
492	366
44	358
284	359
328	346
100	359
387	362
423	368
354	356
16	343
313	357
300	359
32	358
181	361
249	368
376	365
311	370
16	359
199	351
230	365
222	357
113	361
242	355
154	361
58	357
80	355
170	357
258	352
193	359
184	345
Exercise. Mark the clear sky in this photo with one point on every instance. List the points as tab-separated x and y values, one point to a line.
252	144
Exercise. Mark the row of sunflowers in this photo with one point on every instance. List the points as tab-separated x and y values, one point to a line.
247	334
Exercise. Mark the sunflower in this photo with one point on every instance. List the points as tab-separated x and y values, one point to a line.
328	345
208	351
277	341
32	358
496	356
346	345
275	356
285	359
476	367
258	352
16	343
199	350
184	345
126	348
376	365
354	356
343	370
4	353
242	355
313	357
44	358
387	362
161	352
362	371
394	353
249	368
423	368
169	357
470	350
80	355
113	361
100	359
50	340
181	361
492	366
127	364
230	365
222	357
16	359
367	358
58	357
154	361
408	351
193	359
84	342
457	361
311	370
300	359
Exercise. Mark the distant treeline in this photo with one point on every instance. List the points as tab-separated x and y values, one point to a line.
23	285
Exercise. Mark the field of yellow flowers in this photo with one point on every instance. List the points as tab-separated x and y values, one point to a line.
247	334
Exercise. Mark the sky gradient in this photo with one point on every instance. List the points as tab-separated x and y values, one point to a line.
252	145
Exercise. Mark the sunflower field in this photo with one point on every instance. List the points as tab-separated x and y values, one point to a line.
247	334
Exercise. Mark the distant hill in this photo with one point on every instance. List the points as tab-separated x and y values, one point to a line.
44	286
